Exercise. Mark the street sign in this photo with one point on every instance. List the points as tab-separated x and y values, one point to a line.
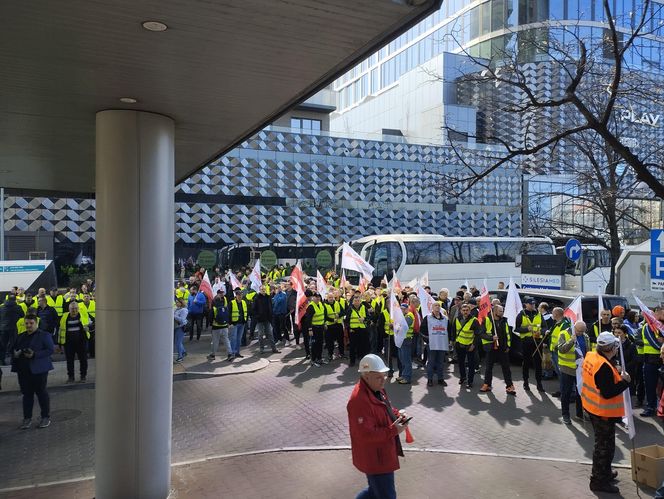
657	260
573	249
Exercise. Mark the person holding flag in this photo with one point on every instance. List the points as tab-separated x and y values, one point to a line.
496	341
560	322
651	335
602	397
529	326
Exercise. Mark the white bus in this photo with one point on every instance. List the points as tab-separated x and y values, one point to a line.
594	267
450	261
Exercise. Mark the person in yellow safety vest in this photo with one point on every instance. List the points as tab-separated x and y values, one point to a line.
249	296
405	351
601	326
602	397
20	324
314	324
181	292
89	307
334	330
84	291
74	336
357	319
20	295
529	324
466	327
28	302
55	300
496	341
560	322
570	348
652	342
239	313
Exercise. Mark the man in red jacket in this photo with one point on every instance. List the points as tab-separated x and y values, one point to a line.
374	430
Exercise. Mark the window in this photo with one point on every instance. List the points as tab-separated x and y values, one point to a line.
306	124
422	253
483	252
386	257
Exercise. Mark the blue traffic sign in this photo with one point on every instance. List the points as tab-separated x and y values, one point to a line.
657	254
573	249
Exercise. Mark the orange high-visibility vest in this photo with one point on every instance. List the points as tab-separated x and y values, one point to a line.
593	402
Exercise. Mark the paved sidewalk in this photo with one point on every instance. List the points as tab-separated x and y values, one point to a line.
291	404
330	474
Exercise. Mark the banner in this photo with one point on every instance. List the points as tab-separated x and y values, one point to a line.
484	307
512	304
255	277
352	261
574	311
321	285
206	287
426	301
398	320
234	282
649	316
343	282
301	303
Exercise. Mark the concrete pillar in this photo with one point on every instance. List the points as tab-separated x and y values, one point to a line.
134	271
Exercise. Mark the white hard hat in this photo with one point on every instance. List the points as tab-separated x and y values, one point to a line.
372	363
606	339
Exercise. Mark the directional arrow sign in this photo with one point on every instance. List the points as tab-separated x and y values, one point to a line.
573	249
657	241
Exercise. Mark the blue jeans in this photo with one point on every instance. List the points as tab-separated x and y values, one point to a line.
435	362
236	337
380	487
405	356
178	342
568	383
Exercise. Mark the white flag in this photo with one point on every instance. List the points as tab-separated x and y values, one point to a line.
485	288
255	276
574	311
398	320
234	282
628	418
426	301
425	279
412	284
343	282
512	304
387	283
321	285
600	307
352	261
467	285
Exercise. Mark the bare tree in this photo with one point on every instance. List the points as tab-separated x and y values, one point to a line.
590	89
596	204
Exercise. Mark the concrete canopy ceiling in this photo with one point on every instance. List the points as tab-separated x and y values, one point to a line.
222	71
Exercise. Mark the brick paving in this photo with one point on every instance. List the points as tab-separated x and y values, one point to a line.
331	475
289	404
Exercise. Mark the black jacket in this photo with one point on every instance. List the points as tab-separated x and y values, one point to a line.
10	313
291	301
48	319
262	308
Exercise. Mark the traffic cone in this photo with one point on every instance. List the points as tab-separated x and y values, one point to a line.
409	436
